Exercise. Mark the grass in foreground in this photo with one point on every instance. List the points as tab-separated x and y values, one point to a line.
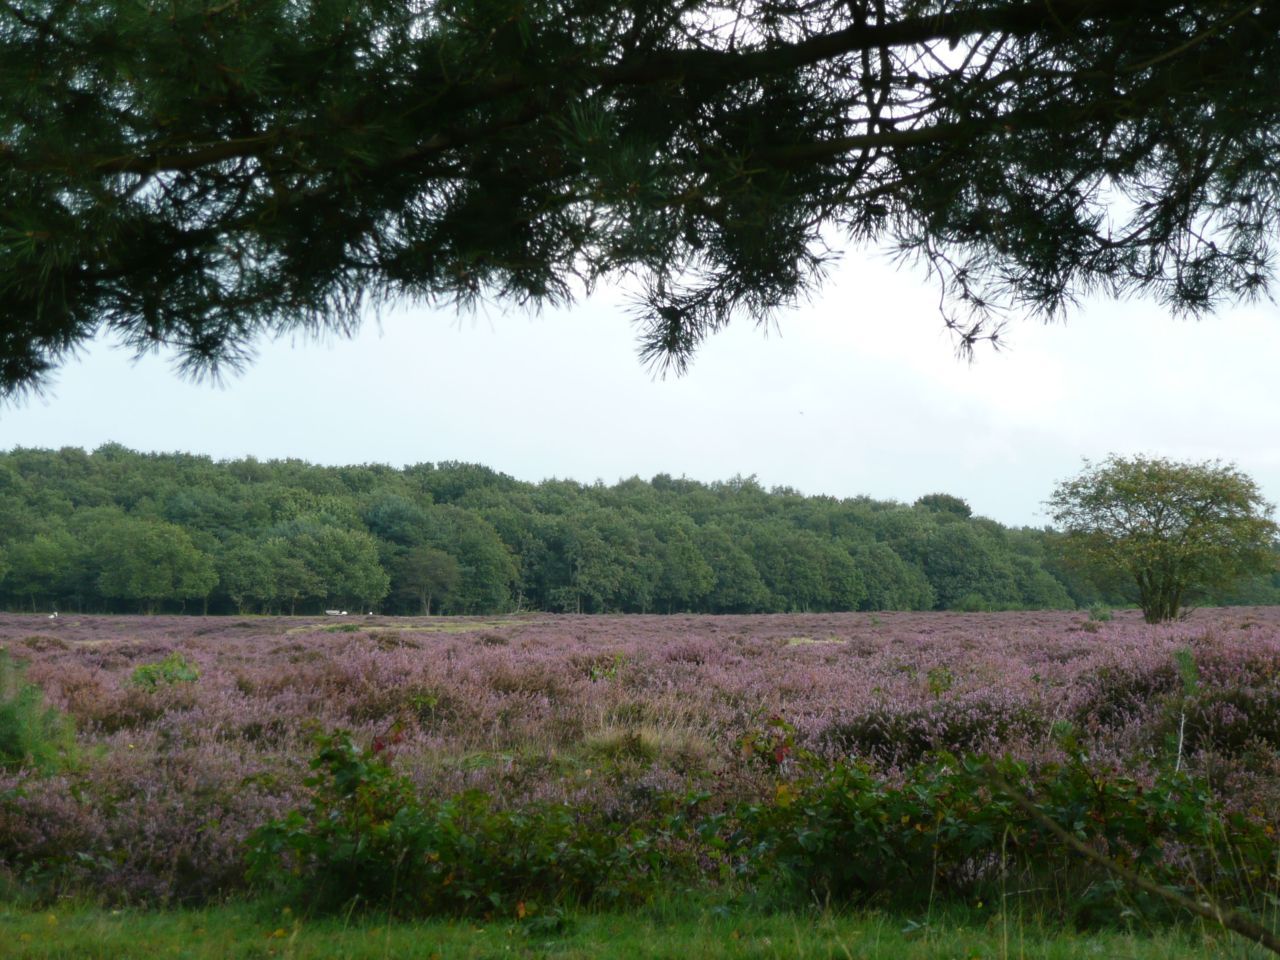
663	931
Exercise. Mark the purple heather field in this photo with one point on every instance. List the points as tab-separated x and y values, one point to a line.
605	710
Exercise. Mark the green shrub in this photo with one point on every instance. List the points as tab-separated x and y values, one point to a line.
367	840
972	603
175	668
31	734
952	828
949	829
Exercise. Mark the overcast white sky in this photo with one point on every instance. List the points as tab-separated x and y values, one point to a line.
859	393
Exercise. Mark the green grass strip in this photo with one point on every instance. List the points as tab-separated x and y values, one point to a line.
663	931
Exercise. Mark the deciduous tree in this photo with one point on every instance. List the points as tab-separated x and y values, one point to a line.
424	574
246	573
1172	528
320	562
148	562
41	567
892	583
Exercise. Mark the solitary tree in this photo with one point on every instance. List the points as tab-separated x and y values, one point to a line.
197	173
1172	528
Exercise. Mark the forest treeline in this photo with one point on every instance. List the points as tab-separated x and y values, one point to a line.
121	531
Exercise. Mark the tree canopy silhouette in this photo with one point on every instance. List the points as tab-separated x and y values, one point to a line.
201	173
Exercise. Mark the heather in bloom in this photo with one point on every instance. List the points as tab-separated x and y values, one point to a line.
610	712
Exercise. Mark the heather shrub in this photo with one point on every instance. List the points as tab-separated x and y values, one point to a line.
1236	711
101	704
533	678
32	734
126	829
1233	720
175	668
903	734
388	639
1117	695
609	717
47	842
40	643
136	708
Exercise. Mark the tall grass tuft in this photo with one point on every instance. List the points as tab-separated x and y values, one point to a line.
31	733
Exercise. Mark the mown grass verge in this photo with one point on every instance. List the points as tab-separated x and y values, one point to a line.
665	929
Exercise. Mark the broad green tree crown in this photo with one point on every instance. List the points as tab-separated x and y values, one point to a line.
200	173
1172	528
149	561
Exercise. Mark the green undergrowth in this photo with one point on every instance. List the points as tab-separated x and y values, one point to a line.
175	668
32	734
366	840
949	831
670	928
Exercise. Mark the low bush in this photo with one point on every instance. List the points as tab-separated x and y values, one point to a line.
1121	695
367	839
953	828
175	668
172	779
906	734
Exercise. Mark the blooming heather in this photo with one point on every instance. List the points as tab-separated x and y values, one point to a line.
606	710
